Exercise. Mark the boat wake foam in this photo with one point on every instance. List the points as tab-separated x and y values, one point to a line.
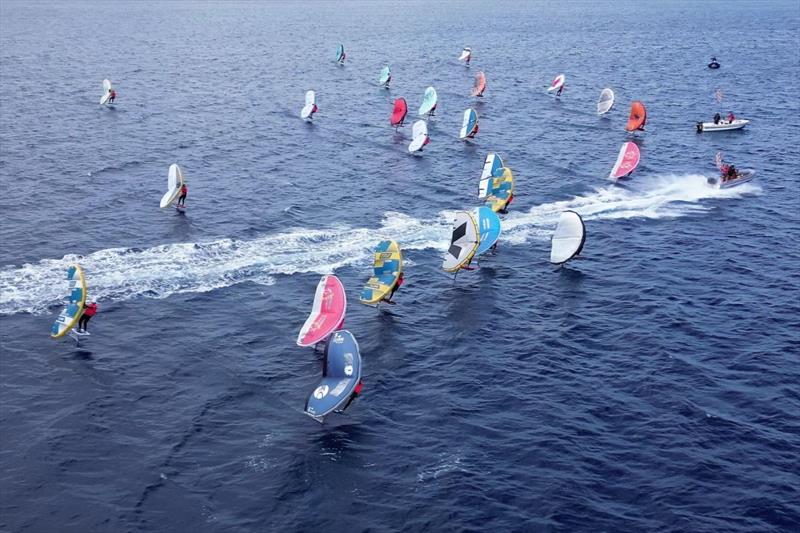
654	197
158	272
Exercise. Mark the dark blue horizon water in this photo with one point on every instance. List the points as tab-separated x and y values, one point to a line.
650	386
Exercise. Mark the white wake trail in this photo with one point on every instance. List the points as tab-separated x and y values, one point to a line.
160	271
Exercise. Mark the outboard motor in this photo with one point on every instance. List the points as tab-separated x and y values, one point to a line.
699	127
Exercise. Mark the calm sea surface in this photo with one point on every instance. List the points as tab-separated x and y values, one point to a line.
651	386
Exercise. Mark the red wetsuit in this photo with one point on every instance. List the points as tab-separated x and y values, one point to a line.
88	312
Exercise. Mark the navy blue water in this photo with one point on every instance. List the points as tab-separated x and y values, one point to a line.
650	386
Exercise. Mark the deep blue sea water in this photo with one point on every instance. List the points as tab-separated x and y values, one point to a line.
651	386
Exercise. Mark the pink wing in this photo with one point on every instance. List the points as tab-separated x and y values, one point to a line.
327	313
627	160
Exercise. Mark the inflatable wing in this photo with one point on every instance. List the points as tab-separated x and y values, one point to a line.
386	76
637	118
569	238
429	100
174	184
386	269
341	377
106	91
498	190
463	242
606	101
480	84
419	136
76	299
399	112
492	166
469	125
489	228
627	161
327	313
311	105
557	83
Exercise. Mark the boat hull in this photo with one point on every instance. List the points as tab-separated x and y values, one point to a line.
744	176
722	126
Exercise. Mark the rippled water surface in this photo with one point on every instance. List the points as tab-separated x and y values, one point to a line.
650	386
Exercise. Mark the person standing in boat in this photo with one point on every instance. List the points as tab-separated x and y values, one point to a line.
717	118
731	117
729	173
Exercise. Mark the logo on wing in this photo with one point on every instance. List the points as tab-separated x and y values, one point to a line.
317	323
327	296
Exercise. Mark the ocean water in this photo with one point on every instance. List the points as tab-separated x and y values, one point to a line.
650	386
